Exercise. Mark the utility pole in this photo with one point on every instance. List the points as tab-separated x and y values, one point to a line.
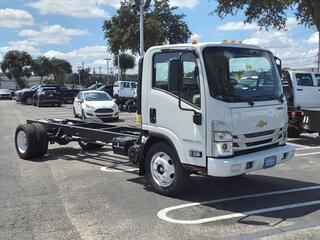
141	28
107	59
79	71
119	67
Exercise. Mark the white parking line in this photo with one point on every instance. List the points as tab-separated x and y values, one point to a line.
307	154
306	148
162	214
105	169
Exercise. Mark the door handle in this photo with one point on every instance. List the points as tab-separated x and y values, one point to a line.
299	89
153	115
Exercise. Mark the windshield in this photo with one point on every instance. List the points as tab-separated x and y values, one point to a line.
97	96
240	74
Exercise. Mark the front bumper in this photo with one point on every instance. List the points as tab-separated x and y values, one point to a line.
92	114
247	163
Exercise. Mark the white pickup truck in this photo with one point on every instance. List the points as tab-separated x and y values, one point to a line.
210	109
302	90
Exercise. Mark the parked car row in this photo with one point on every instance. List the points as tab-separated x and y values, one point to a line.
45	94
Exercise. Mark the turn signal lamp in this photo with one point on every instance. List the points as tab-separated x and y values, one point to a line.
194	41
225	41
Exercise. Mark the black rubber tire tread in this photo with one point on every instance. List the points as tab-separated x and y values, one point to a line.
181	177
74	113
294	132
27	101
32	140
90	146
43	141
83	116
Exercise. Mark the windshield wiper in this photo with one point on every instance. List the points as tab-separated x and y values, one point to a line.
271	97
239	99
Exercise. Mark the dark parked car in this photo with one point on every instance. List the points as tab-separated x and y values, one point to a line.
108	88
25	95
50	95
69	94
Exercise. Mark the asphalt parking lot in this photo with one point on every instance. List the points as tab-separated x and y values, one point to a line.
72	194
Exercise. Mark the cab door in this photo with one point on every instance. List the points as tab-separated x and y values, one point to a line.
305	91
164	117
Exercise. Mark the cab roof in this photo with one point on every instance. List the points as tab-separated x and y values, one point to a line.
201	46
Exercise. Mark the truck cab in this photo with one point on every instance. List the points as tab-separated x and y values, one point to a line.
213	109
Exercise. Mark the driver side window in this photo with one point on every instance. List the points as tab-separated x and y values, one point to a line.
190	86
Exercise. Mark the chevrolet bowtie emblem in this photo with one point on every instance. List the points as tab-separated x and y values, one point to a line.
261	124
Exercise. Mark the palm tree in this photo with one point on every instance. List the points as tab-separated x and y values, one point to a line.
16	65
42	66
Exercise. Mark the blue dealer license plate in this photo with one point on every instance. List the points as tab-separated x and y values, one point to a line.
270	162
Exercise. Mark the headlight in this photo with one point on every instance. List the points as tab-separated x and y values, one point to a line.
284	135
90	106
222	140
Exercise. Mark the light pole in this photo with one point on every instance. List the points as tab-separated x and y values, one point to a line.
107	59
79	71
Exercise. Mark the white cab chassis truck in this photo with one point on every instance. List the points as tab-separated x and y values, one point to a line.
302	90
210	109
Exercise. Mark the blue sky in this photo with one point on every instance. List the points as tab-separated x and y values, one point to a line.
71	29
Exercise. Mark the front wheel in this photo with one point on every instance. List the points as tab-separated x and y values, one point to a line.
29	101
83	115
164	171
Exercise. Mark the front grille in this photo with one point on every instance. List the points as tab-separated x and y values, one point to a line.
104	110
259	134
252	142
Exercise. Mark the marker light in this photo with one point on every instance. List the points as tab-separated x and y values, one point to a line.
232	41
194	41
240	42
225	41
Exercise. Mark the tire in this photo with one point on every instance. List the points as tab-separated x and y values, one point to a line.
115	119
74	113
164	154
69	101
39	103
29	101
42	138
26	141
90	146
294	132
34	103
83	116
59	104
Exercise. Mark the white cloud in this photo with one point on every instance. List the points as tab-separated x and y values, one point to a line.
185	3
292	52
236	26
196	36
51	34
92	56
23	45
73	8
15	18
314	38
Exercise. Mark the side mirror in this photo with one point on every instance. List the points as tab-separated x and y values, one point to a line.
174	75
279	64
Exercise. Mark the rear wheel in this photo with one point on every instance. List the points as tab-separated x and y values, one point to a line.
164	171
26	141
294	132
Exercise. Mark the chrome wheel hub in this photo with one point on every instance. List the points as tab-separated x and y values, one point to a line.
162	169
22	141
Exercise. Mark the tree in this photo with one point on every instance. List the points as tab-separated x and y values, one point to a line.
126	62
17	65
60	68
272	13
161	25
42	66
